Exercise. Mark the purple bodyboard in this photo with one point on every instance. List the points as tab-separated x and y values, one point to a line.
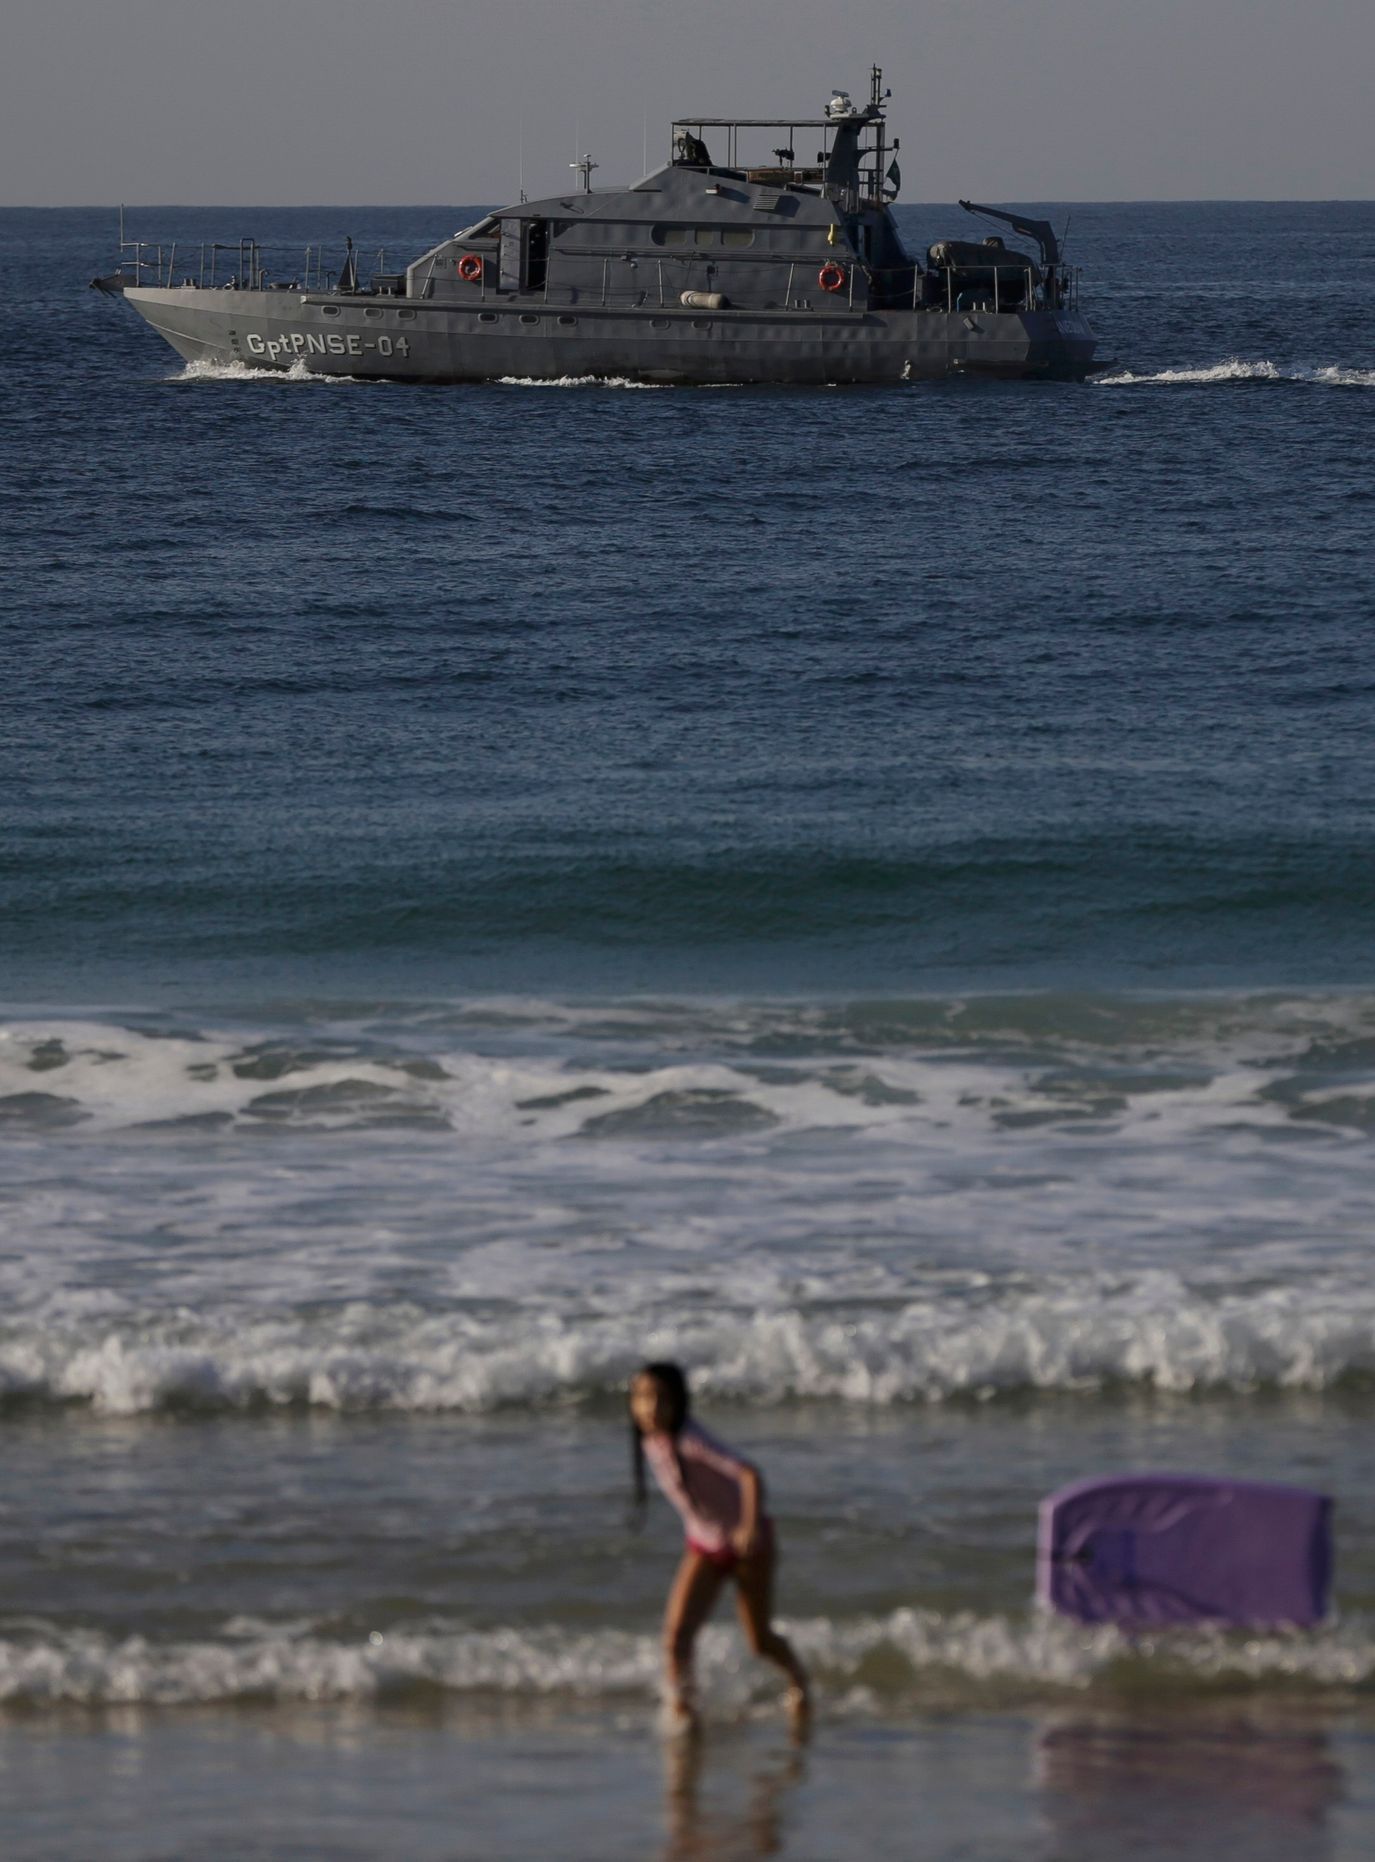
1147	1550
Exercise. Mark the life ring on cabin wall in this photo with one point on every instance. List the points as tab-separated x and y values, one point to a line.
831	277
470	267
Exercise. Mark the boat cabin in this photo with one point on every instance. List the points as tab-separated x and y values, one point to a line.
747	213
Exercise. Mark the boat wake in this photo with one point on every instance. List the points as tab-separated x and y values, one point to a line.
240	371
1234	370
575	381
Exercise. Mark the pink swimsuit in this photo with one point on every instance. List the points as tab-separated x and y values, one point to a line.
706	1494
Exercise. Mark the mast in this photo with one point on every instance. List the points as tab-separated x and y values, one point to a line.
876	110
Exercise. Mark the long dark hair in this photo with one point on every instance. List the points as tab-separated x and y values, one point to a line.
672	1380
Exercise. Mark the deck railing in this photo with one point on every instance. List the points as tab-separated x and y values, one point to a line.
999	287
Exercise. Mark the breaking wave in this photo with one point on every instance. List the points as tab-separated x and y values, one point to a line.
1233	370
873	1203
862	1666
1151	1334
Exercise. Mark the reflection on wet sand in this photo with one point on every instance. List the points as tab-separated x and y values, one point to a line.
746	1814
1186	1785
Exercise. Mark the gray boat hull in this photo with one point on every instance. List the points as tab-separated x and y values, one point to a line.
395	339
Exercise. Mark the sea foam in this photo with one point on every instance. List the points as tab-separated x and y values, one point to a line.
477	1207
1330	375
1100	1333
203	371
861	1665
575	381
670	1071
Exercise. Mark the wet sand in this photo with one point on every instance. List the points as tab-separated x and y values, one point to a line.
1059	1786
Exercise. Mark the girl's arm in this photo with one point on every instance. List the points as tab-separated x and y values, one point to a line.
745	1534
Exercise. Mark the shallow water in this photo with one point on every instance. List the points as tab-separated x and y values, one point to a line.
866	892
1057	1786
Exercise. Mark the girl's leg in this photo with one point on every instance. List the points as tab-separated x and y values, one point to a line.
754	1599
695	1589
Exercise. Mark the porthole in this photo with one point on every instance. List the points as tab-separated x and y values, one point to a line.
330	310
486	316
704	236
407	314
669	235
527	318
701	323
737	236
661	323
568	320
370	312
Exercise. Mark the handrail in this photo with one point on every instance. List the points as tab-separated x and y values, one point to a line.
913	282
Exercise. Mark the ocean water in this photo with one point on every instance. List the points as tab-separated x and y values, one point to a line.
868	892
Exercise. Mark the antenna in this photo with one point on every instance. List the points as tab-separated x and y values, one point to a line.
520	151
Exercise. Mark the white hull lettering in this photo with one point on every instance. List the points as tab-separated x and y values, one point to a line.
331	343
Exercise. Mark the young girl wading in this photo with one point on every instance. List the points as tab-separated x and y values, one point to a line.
721	1501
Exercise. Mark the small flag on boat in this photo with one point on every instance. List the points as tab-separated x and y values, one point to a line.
895	176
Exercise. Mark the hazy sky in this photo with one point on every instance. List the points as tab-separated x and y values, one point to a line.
398	101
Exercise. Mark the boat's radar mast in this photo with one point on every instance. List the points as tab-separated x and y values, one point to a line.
853	167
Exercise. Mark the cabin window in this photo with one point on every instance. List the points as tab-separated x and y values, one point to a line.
670	235
737	236
536	255
704	236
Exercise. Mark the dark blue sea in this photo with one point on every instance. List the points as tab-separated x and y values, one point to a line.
869	892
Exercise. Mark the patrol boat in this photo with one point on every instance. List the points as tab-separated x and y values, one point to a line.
716	267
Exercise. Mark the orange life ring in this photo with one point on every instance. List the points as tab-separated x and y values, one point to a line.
470	267
831	277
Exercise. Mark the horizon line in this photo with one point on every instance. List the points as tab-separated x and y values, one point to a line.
1058	200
